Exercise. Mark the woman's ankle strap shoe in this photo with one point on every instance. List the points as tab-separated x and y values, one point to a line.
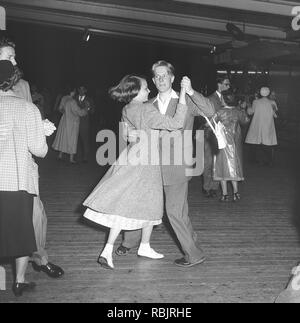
224	198
236	196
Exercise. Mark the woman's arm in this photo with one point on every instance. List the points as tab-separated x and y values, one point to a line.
251	108
243	117
77	111
155	120
199	104
61	107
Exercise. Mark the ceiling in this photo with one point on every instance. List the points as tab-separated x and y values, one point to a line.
196	23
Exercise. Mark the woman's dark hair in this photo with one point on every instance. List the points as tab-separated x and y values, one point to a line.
127	89
222	78
10	82
229	98
68	89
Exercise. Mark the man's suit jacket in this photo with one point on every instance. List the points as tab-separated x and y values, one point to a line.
197	105
216	101
84	121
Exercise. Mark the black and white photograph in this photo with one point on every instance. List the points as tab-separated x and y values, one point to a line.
149	154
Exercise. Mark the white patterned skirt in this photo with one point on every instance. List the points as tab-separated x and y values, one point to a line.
118	221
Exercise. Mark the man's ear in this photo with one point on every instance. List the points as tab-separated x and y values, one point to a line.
172	79
153	80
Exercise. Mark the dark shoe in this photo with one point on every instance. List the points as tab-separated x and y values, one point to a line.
51	270
122	251
19	288
224	198
206	193
103	263
236	197
213	193
182	262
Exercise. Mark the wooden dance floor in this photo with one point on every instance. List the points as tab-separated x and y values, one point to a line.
251	245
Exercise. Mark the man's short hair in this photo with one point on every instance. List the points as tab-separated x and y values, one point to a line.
169	66
221	79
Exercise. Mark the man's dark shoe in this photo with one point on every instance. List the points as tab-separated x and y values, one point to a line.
51	270
19	288
182	262
122	251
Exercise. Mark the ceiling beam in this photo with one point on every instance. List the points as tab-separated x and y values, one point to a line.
85	8
276	7
266	50
115	27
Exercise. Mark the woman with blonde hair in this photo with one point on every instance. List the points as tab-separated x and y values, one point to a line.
262	134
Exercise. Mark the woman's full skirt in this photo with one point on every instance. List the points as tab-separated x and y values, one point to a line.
17	237
128	197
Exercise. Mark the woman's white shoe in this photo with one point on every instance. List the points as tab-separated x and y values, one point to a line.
149	253
106	262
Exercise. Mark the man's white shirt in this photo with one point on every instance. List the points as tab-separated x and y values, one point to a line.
163	106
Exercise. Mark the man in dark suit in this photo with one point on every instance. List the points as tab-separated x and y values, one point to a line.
210	187
84	102
175	178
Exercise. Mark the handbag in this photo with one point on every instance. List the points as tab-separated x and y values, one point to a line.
219	131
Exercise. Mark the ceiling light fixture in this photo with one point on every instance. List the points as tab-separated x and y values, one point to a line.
213	50
87	35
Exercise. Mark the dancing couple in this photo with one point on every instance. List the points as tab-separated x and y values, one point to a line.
124	198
